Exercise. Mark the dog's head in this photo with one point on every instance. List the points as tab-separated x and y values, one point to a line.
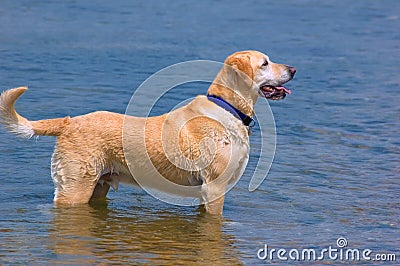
253	74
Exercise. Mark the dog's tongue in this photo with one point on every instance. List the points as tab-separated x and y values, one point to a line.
284	89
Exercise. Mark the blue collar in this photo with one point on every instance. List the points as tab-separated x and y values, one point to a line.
247	120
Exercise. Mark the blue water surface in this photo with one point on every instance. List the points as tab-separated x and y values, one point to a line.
336	168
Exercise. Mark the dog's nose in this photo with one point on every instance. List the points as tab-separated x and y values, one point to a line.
292	70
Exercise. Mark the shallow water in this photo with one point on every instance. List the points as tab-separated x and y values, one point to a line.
336	169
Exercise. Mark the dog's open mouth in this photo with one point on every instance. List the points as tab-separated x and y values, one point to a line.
274	93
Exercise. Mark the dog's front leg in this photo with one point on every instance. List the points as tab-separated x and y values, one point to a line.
213	195
215	207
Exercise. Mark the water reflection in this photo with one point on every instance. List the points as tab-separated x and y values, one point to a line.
97	234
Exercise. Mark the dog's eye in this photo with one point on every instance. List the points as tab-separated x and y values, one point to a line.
265	63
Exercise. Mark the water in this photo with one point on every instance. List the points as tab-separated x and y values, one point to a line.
336	169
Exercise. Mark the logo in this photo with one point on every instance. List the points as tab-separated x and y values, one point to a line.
338	253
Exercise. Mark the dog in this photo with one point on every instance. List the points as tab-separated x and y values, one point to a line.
210	135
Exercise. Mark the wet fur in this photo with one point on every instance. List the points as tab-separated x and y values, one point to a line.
89	157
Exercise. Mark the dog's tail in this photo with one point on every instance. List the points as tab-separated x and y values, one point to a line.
22	126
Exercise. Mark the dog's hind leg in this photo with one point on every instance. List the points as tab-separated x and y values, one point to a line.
75	181
100	191
103	185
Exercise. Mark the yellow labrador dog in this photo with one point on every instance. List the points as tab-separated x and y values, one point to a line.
91	154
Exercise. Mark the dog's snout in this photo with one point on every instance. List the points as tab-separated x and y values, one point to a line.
292	70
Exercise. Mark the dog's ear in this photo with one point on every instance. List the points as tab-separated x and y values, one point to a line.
240	65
